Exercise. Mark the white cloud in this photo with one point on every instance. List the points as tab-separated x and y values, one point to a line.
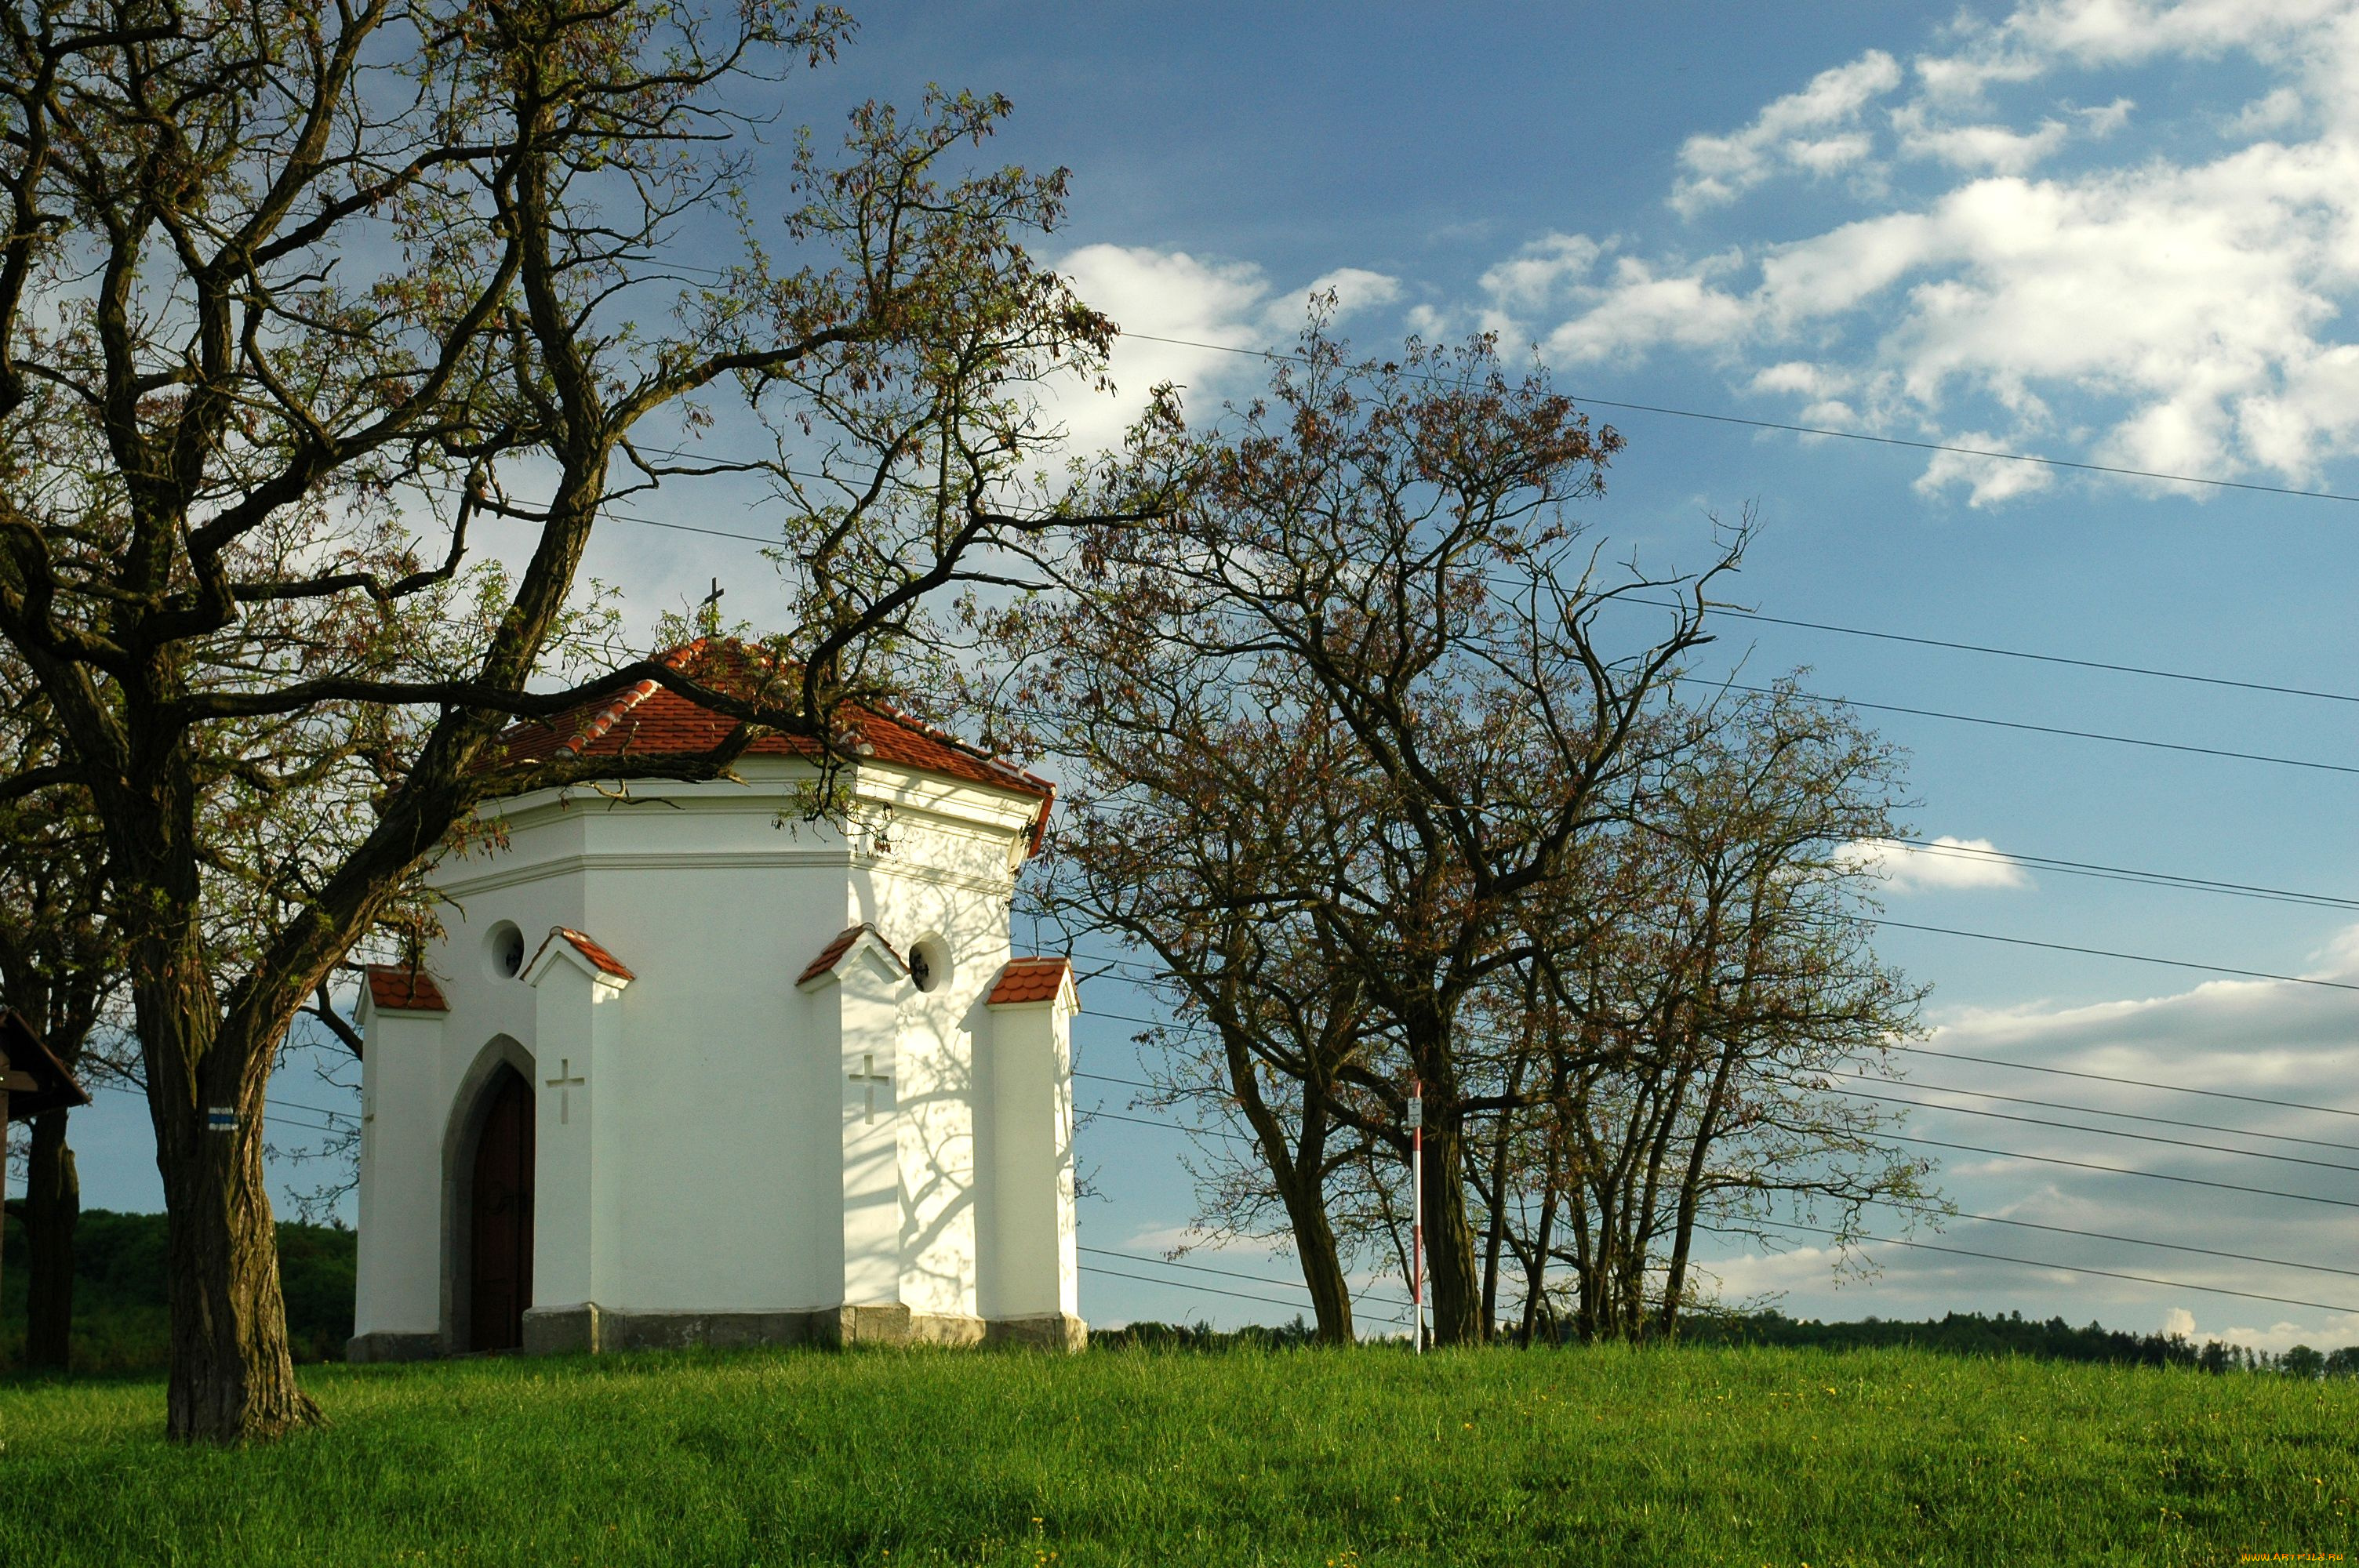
1641	307
2102	122
2191	313
1530	278
1977	148
1355	290
2277	111
1988	480
2274	1040
2043	34
1209	308
1813	130
1940	865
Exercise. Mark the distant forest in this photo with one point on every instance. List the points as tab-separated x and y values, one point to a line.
119	1315
119	1309
1958	1333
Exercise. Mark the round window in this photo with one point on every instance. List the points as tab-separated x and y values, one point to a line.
504	950
929	963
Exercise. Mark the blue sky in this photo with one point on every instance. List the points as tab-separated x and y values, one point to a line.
2119	232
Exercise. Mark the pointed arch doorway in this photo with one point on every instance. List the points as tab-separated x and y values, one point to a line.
499	1216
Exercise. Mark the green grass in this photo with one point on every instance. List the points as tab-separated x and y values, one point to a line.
1362	1457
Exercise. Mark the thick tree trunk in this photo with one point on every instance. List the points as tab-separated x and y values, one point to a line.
1450	1246
1300	1182
52	1207
233	1378
1322	1271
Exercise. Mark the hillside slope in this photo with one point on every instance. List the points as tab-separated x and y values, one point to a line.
1730	1455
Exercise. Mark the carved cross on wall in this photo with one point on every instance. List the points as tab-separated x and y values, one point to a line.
869	1077
564	1085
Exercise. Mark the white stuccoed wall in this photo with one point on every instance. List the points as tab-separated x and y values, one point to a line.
703	1165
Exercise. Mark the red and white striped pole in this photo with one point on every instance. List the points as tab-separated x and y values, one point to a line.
1416	1215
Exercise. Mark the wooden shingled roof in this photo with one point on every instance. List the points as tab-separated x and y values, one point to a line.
650	721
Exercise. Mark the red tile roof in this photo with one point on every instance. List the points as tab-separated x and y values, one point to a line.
601	959
1030	979
401	988
649	721
833	954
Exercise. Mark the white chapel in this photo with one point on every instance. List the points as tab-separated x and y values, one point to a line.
687	1069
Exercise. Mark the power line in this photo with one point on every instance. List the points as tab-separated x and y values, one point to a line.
2110	952
2103	1132
1839	434
1165	1125
2136	1241
266	1115
2134	1083
1762	617
2045	729
1977	1218
2124	873
2073	1269
1188	1285
2083	1110
1976	1149
1233	1274
1988	1061
1965	1110
1873	707
1197	1268
1968	1110
2015	653
2058	1267
2120	1171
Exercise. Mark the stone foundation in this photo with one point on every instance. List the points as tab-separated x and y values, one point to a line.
591	1329
1056	1331
389	1345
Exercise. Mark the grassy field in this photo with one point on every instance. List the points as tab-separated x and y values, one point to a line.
1366	1457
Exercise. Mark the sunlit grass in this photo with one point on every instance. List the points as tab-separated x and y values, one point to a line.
1367	1458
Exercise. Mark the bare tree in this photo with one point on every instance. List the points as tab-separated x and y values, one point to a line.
288	289
1203	826
1701	1031
1391	538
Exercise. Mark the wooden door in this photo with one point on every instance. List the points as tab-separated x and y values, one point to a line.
500	1237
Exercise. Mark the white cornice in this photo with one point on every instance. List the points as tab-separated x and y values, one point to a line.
766	784
513	875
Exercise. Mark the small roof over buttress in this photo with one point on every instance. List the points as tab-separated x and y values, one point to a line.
600	959
1030	979
404	988
834	953
25	1057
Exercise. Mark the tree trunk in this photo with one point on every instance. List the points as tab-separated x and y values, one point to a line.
1449	1236
52	1207
1298	1176
1536	1265
233	1376
1322	1271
